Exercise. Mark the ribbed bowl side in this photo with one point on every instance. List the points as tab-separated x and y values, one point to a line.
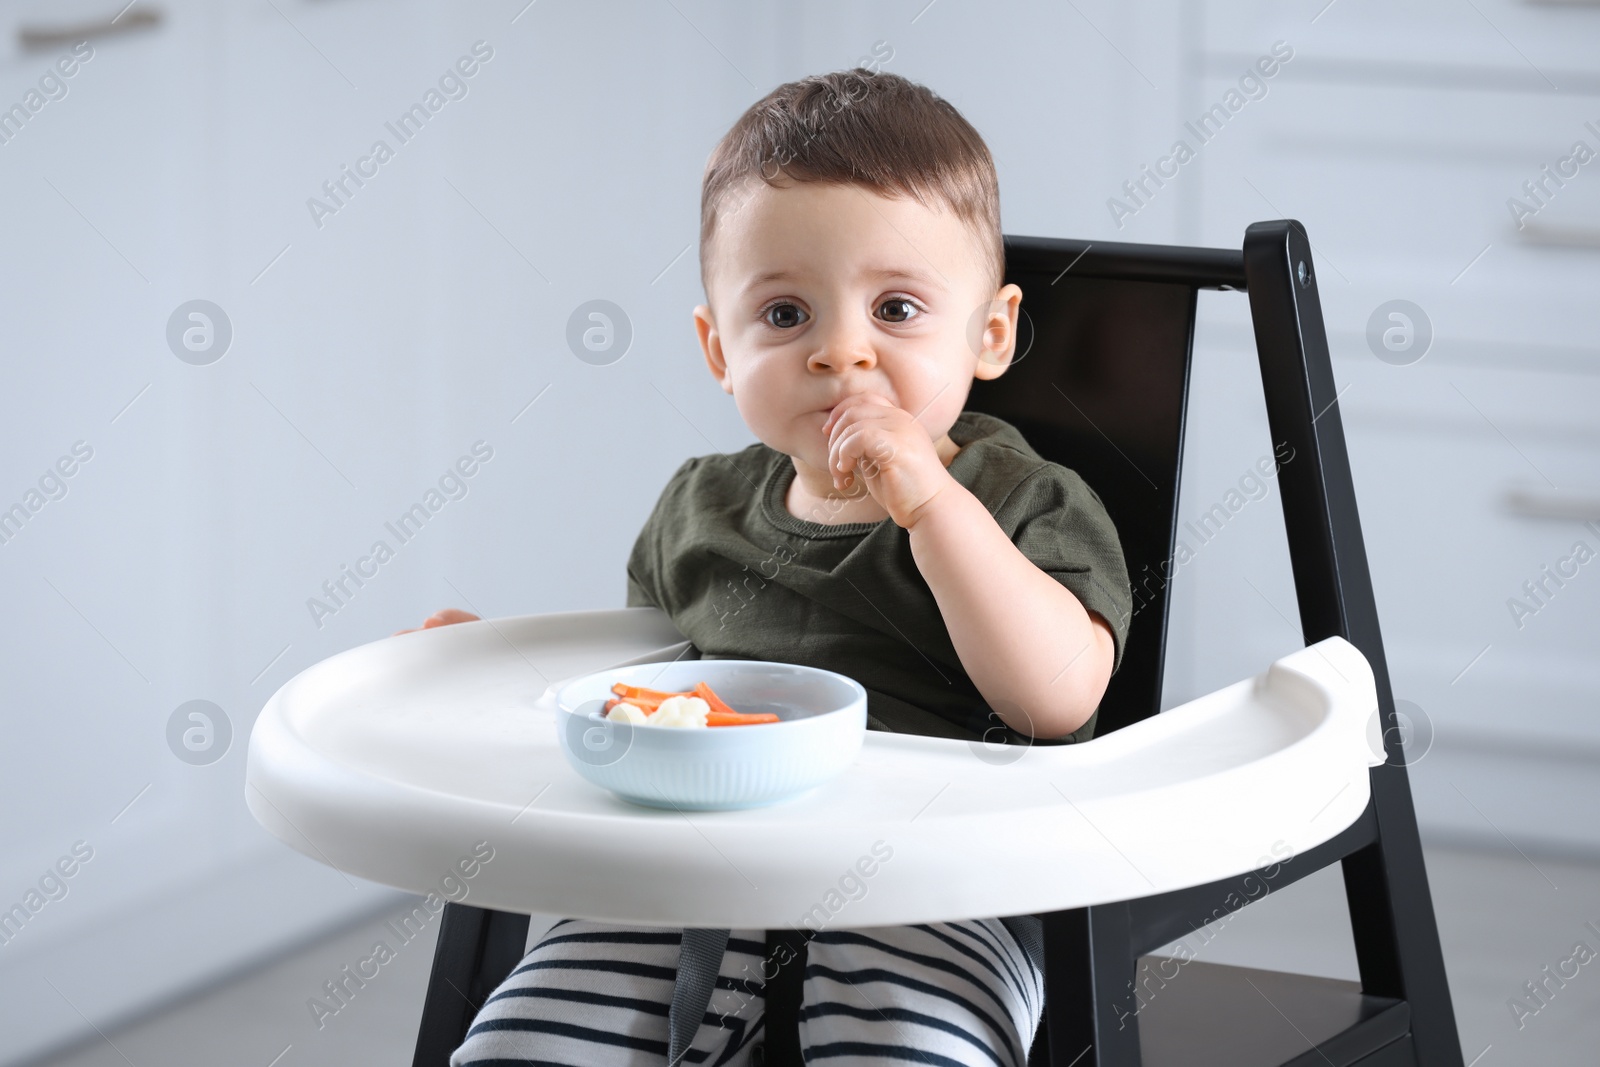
720	783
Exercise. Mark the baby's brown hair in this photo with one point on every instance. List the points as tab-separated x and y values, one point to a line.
859	127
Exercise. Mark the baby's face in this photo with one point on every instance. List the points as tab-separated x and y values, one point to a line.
823	291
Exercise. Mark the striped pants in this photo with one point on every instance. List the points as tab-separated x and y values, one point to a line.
597	995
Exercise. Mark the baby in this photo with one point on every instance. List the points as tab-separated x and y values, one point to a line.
851	256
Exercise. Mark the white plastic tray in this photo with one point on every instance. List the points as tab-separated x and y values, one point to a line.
392	760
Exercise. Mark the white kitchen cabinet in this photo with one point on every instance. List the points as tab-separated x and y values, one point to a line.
367	355
1397	133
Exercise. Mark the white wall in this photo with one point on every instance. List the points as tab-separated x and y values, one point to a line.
364	361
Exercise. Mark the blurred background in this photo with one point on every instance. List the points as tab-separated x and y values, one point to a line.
224	373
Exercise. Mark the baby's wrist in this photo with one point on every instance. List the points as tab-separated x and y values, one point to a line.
946	505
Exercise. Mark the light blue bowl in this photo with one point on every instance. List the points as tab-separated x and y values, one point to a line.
823	719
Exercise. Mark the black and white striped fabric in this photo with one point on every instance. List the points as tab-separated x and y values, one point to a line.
598	995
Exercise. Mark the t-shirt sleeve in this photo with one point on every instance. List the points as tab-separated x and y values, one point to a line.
646	587
1062	527
639	596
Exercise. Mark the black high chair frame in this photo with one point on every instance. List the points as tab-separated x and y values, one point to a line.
1100	384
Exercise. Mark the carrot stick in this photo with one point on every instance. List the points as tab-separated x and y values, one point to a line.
635	693
722	718
703	691
649	707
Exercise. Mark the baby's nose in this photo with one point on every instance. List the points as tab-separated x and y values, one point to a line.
843	348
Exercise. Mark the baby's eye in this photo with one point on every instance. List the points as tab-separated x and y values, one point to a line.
899	309
784	316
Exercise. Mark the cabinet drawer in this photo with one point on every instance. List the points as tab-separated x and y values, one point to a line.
1490	604
1405	196
1540	47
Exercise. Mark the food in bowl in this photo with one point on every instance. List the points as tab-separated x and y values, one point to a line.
821	722
694	708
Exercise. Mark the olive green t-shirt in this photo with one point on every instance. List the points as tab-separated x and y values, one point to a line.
742	578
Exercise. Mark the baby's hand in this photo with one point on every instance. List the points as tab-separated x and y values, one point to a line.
892	452
440	618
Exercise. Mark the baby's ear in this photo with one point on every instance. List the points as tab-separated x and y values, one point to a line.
992	334
705	326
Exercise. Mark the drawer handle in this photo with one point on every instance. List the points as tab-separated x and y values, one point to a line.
35	38
1535	502
1564	235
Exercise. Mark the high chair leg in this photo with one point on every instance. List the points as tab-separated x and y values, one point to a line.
785	973
477	948
1089	973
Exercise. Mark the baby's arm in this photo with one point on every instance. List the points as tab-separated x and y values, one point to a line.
1039	658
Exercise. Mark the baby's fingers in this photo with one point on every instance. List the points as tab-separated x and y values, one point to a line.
844	450
448	616
440	618
843	462
850	406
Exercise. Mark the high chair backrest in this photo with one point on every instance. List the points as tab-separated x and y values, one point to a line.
1101	386
1099	383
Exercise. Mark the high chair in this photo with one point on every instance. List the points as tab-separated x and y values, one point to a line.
373	760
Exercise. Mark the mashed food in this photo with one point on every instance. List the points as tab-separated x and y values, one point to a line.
698	708
673	711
